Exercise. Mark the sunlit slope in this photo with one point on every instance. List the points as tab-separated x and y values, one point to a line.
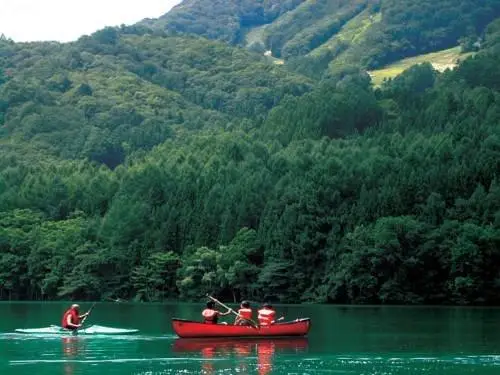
442	60
309	26
352	32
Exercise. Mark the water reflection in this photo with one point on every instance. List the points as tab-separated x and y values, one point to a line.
265	353
71	346
208	366
243	350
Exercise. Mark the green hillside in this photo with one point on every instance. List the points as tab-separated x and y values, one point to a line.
330	34
351	33
138	164
309	25
226	20
112	92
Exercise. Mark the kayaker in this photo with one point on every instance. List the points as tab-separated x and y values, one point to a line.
267	315
244	317
71	318
210	315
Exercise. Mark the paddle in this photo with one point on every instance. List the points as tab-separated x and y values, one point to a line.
88	314
254	324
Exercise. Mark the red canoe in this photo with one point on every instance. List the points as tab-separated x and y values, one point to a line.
189	328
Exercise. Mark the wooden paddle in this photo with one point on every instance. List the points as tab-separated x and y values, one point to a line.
253	323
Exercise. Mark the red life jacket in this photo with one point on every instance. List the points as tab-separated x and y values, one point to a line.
266	316
75	319
210	316
245	313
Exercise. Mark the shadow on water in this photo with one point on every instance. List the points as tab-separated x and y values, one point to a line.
243	351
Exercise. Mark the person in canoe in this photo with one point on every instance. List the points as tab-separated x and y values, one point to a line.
244	317
267	315
71	318
210	315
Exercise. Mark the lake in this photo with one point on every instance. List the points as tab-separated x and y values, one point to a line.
342	340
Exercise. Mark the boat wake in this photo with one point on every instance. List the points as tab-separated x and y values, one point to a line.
91	330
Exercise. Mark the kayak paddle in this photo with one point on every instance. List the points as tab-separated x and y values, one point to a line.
88	313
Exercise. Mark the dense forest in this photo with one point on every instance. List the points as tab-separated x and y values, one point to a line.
138	164
225	20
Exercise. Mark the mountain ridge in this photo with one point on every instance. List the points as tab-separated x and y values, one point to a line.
296	28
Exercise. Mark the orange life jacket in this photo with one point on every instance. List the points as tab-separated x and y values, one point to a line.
210	316
75	319
266	316
245	313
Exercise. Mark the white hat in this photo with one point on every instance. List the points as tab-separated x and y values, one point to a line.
75	306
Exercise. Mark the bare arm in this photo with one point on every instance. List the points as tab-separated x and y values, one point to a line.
70	323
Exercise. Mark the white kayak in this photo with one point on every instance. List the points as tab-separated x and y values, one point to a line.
90	330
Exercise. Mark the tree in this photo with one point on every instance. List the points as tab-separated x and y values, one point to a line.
155	280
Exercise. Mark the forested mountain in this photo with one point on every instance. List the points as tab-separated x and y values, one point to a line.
222	19
143	165
116	91
328	34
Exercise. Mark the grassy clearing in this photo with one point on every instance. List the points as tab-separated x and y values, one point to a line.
356	29
352	32
255	35
441	60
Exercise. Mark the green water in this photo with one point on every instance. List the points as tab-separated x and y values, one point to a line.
343	340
